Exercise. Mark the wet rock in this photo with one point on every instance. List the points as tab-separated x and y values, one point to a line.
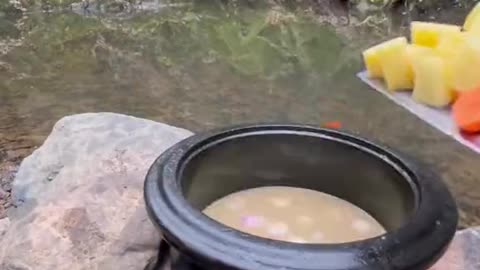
79	197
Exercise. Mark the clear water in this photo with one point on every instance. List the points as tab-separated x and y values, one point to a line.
192	65
201	66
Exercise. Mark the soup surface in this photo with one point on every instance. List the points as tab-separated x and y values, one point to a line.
295	215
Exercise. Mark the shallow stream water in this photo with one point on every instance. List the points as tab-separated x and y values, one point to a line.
201	66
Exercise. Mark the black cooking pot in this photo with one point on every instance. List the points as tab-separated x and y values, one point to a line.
410	202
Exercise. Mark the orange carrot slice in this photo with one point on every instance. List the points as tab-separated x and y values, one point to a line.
466	111
333	124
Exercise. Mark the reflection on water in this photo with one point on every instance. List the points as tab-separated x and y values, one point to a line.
193	65
201	65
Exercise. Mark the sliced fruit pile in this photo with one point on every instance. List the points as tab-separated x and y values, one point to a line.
441	65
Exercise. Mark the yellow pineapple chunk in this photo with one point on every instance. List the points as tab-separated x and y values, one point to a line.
448	49
371	58
428	34
448	45
432	80
473	18
395	65
465	65
431	83
414	50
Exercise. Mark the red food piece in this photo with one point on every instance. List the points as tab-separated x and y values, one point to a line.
466	111
333	124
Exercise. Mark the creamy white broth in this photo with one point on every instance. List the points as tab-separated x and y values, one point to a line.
295	215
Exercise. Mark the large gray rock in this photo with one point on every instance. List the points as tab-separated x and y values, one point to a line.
80	198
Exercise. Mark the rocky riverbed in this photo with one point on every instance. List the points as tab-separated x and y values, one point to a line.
12	152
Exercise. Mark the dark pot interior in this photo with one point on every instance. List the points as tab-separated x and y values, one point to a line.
301	161
411	203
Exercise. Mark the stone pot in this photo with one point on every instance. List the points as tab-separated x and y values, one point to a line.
410	201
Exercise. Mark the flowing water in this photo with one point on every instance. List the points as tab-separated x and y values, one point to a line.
201	65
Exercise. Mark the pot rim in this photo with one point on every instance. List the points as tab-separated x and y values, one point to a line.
423	238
